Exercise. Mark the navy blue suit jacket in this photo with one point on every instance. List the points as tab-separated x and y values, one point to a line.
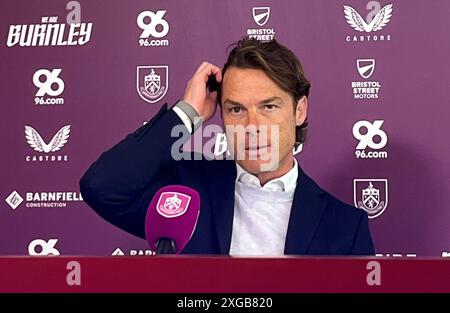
121	183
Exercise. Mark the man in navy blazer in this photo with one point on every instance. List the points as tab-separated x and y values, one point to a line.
258	202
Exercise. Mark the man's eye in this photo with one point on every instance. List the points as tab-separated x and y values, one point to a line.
235	110
270	107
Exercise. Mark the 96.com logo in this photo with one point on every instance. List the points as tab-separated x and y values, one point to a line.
153	25
370	135
49	86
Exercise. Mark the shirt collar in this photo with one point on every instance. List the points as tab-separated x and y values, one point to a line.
285	183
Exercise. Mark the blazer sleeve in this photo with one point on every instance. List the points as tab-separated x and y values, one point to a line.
362	243
120	184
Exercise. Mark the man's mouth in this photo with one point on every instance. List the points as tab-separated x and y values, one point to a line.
257	152
256	148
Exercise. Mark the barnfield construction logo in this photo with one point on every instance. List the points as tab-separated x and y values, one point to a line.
43	199
132	252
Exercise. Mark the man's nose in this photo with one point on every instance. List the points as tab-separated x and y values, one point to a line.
253	122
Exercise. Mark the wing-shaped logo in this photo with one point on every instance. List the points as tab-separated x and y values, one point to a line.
261	15
358	23
37	143
365	67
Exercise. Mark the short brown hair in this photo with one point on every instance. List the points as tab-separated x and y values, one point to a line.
277	62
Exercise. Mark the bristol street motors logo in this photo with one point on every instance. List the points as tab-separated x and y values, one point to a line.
371	195
152	82
365	89
172	204
261	16
377	18
365	67
38	144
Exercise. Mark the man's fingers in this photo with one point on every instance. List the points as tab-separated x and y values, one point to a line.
211	70
201	67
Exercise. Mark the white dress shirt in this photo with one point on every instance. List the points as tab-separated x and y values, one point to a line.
261	214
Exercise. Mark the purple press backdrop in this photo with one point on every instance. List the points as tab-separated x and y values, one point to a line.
404	54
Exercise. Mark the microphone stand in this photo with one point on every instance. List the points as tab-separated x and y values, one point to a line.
165	246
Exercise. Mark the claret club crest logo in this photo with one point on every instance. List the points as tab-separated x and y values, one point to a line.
371	195
173	204
152	82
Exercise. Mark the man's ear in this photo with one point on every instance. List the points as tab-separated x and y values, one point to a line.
301	110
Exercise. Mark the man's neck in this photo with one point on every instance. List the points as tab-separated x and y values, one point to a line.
284	167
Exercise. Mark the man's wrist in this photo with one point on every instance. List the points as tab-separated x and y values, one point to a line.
191	113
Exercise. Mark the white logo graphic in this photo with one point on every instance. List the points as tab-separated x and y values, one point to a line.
51	78
46	248
152	82
367	139
445	254
50	32
373	129
44	199
14	200
365	67
358	23
261	15
365	89
133	252
37	143
118	251
154	25
173	204
371	195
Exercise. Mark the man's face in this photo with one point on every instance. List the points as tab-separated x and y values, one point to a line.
251	100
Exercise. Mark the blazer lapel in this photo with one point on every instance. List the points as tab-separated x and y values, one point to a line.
221	181
306	213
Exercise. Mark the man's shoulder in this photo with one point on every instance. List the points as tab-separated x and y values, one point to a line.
341	208
336	207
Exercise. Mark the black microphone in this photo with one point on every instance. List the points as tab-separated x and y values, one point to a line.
212	84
